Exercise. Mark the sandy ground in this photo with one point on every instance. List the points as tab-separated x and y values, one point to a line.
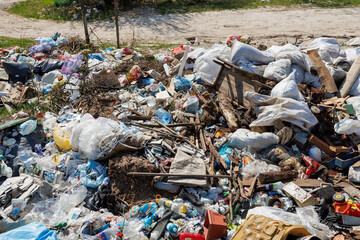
269	24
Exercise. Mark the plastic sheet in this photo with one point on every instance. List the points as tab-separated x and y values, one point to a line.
32	231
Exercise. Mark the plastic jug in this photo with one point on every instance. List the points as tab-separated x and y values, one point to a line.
163	116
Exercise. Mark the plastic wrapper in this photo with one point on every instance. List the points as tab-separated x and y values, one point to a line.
255	167
48	65
71	65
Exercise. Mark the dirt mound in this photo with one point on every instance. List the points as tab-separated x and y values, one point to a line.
133	190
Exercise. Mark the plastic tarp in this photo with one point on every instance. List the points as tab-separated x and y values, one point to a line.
269	109
32	231
287	88
205	65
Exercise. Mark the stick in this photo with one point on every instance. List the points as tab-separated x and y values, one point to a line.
174	132
230	195
181	69
215	153
146	174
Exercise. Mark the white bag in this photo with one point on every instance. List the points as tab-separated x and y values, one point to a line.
205	65
276	49
287	88
244	137
355	89
269	109
278	70
241	52
347	126
299	73
296	57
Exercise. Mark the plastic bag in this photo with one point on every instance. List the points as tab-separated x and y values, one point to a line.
48	65
205	66
244	137
296	57
312	79
351	54
310	219
278	70
32	231
327	48
276	49
241	52
299	73
18	72
269	109
355	102
287	88
347	126
92	174
355	89
255	167
71	65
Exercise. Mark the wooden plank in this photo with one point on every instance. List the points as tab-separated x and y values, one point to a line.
351	77
325	77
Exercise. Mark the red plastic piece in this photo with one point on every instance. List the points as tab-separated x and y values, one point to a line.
179	49
191	236
214	225
312	166
350	208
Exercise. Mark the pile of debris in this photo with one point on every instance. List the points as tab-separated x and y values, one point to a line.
230	142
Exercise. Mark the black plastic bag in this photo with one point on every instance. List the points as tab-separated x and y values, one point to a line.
18	72
48	65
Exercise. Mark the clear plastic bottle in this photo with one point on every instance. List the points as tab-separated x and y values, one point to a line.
163	116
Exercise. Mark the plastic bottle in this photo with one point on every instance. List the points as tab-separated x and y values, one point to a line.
192	105
107	234
163	116
172	228
5	170
163	202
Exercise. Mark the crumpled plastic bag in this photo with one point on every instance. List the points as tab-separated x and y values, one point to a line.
287	88
241	52
242	138
205	65
278	70
32	231
92	174
92	137
347	126
269	109
255	167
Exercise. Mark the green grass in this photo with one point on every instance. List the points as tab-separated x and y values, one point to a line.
46	9
185	6
6	42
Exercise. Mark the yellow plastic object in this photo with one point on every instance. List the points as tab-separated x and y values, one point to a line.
259	227
62	137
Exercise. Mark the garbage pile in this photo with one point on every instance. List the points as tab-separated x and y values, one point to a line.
230	142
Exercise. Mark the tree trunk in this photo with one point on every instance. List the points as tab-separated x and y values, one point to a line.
116	6
83	12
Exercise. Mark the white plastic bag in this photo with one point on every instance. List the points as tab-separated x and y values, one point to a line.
355	89
278	70
328	48
311	79
299	73
255	167
347	126
296	57
287	88
276	49
269	109
351	54
355	102
244	137
205	65
241	52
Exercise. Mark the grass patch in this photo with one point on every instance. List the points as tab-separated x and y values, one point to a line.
6	42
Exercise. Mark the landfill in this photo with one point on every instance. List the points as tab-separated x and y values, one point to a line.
230	142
